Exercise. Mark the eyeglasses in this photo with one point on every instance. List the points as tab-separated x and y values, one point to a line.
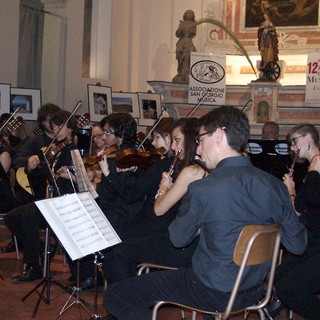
54	127
107	133
294	140
197	138
98	136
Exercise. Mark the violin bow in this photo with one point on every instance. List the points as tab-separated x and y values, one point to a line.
152	129
198	104
71	114
12	115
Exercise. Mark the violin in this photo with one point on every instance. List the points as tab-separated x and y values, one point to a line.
92	160
55	149
142	159
127	158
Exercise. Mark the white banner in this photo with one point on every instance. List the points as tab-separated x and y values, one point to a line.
207	76
312	95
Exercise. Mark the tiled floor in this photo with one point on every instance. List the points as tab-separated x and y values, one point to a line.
11	306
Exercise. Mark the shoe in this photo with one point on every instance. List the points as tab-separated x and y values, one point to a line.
273	309
29	275
10	247
85	284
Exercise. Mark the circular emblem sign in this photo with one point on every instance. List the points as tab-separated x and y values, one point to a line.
207	71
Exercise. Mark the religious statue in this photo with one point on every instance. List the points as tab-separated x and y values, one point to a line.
186	31
267	42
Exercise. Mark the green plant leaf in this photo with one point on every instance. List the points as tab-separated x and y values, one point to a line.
232	36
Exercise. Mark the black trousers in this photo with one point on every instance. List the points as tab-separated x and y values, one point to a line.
133	299
297	283
24	222
122	260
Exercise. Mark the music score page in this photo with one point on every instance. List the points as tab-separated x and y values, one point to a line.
79	224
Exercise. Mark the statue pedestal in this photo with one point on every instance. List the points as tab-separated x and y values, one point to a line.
260	100
264	97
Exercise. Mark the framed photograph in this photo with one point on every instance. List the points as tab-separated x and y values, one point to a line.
150	108
5	90
27	100
126	102
282	13
100	103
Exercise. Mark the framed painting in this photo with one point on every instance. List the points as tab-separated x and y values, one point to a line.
150	108
5	90
126	102
27	101
282	13
100	103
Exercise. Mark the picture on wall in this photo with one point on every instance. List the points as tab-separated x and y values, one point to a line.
99	98
126	102
5	89
282	13
27	101
150	108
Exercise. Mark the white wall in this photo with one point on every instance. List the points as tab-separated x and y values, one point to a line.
9	26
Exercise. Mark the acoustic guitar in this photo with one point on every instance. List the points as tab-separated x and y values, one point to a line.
22	176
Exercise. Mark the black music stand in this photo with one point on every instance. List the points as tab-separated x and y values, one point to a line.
83	229
75	292
45	292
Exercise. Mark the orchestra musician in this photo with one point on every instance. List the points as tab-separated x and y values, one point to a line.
98	143
26	159
122	260
215	209
11	141
24	221
146	186
297	279
120	129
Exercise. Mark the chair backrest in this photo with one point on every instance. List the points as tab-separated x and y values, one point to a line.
256	244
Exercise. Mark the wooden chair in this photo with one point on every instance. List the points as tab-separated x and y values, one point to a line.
256	244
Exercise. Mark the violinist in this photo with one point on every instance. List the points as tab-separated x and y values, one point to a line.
120	129
155	247
146	185
24	221
98	143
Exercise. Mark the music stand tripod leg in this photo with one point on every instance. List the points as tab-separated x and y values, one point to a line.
97	264
76	291
46	281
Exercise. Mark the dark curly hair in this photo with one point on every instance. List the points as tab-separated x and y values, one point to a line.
60	117
47	110
123	125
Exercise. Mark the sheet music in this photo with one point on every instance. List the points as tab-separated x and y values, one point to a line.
79	224
83	181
